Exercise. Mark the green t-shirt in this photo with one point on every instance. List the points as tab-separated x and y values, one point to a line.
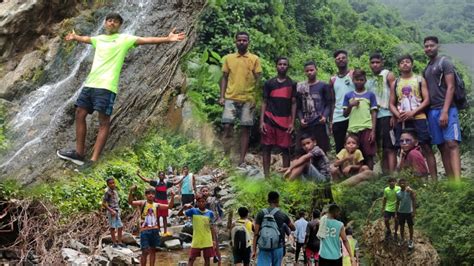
110	52
360	117
391	197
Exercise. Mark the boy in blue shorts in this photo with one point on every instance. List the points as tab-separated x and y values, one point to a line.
111	203
101	85
149	223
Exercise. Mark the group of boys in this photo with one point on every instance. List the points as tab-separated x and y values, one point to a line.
373	111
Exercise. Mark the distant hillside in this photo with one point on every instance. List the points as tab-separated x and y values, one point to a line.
451	20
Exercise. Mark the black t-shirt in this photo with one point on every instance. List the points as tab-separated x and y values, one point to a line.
311	232
280	218
432	74
278	96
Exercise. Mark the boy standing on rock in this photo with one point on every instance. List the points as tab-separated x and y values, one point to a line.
149	223
389	206
100	88
204	233
406	208
111	203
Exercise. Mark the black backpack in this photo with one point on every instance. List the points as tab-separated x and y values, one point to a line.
313	241
460	94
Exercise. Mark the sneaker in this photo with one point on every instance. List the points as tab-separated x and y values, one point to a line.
117	246
410	244
71	155
216	259
122	245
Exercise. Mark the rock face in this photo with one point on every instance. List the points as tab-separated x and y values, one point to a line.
390	254
150	78
23	21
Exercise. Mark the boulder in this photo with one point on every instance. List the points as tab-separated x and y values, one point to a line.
74	257
187	229
74	244
174	244
120	256
127	238
100	260
185	237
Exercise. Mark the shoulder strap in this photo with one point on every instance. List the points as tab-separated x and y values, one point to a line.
265	211
274	211
395	87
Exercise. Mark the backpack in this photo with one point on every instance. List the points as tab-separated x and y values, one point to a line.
269	235
240	237
460	94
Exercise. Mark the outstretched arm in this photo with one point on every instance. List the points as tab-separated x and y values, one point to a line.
172	37
142	177
74	37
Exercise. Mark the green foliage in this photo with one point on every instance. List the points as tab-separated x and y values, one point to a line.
84	191
443	213
450	20
294	196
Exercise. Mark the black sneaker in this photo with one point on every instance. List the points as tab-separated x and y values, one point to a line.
71	155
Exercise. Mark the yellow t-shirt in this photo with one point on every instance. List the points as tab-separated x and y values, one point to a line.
241	70
358	157
409	95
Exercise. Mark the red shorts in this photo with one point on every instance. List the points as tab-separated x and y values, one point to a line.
276	137
162	213
367	148
311	254
206	252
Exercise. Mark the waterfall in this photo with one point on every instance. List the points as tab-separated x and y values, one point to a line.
43	110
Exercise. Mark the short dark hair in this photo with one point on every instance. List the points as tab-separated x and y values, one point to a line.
301	213
411	132
316	213
242	33
307	136
243	212
351	136
333	209
108	180
359	73
273	197
402	180
376	56
150	190
340	51
431	38
391	179
281	58
403	57
114	15
349	231
310	63
185	166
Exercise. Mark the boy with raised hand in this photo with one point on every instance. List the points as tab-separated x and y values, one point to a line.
149	223
204	233
360	106
111	203
313	166
411	157
406	208
389	206
101	86
161	195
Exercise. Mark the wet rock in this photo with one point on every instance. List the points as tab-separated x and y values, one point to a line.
127	238
185	237
74	244
173	244
186	245
100	260
187	229
24	71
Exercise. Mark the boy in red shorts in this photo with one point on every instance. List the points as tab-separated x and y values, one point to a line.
278	114
204	233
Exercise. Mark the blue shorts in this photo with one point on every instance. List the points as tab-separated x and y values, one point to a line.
114	221
451	132
93	99
419	125
150	239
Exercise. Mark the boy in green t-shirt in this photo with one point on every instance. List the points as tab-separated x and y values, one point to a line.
360	106
389	206
100	88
